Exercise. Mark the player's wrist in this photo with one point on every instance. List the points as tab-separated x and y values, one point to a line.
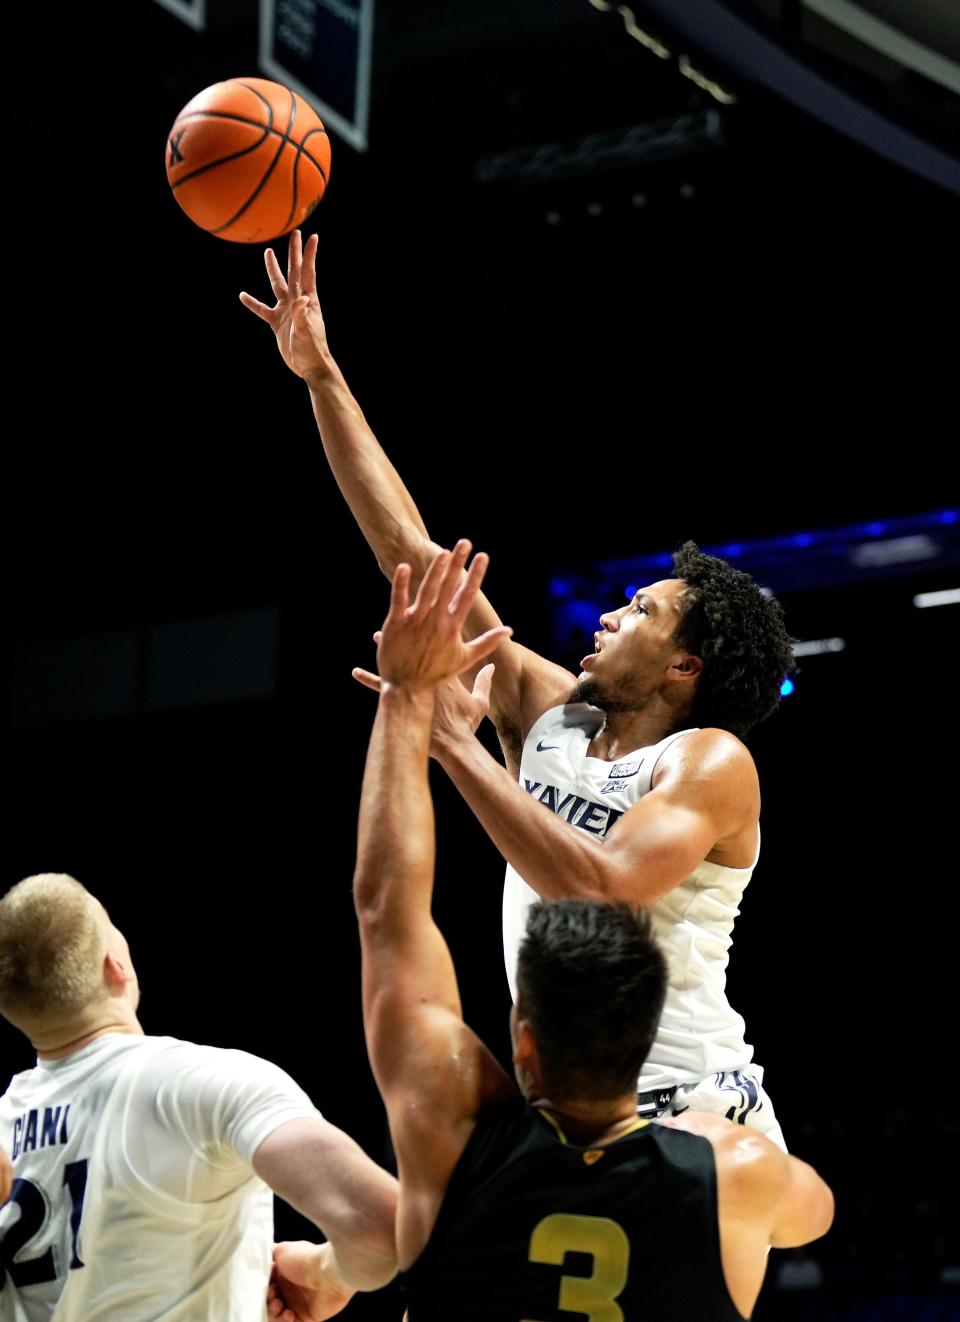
322	373
451	747
404	695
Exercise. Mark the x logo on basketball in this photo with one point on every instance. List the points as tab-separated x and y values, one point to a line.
176	155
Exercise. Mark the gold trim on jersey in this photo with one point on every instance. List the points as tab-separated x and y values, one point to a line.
593	1154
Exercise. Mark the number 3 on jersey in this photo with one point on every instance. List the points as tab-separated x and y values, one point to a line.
33	1213
606	1242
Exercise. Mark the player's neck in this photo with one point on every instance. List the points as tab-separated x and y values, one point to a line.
624	731
585	1122
56	1049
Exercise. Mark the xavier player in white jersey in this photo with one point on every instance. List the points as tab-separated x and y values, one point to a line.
646	739
143	1166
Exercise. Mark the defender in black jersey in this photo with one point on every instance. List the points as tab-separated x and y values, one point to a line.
553	1202
531	1222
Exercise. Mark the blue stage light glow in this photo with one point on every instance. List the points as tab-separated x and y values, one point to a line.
786	688
630	592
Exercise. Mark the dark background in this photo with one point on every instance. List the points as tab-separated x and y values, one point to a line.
761	346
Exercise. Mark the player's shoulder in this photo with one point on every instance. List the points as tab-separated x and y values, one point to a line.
707	751
173	1065
180	1054
21	1086
751	1170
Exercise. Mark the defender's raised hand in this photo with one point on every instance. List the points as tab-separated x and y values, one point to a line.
296	320
421	645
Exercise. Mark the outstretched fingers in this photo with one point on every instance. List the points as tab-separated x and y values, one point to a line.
453	577
440	582
399	593
466	594
256	307
431	585
486	643
294	261
482	685
277	283
367	678
308	270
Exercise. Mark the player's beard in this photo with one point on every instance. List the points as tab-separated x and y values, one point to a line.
589	689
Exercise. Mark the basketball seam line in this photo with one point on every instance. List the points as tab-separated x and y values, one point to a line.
272	166
268	129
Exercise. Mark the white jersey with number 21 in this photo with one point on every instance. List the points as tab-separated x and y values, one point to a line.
134	1197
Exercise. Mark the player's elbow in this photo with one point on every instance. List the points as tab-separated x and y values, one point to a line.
366	1252
372	888
823	1213
366	895
807	1210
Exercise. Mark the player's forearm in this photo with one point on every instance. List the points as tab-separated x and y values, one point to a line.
396	841
328	1178
371	486
554	859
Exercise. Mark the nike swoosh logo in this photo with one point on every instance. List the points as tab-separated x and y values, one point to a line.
680	1110
543	748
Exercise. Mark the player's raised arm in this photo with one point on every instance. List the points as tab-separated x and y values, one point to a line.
525	684
370	484
433	1072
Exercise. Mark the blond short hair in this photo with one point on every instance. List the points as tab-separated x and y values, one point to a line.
52	944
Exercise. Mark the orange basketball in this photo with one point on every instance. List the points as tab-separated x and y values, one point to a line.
248	159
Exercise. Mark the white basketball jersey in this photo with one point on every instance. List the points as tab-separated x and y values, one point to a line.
134	1199
699	1033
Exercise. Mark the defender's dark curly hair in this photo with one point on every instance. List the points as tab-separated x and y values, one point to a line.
591	980
740	636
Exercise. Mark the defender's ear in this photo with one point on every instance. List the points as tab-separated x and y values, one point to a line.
115	973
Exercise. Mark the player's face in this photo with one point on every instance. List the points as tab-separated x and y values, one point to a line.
635	647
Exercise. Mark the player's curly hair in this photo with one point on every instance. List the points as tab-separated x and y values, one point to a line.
740	636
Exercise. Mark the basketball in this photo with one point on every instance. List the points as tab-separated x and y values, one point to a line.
248	159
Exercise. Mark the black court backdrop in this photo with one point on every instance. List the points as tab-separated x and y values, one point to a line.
756	356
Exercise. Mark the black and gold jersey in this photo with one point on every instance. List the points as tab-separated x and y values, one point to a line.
535	1229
